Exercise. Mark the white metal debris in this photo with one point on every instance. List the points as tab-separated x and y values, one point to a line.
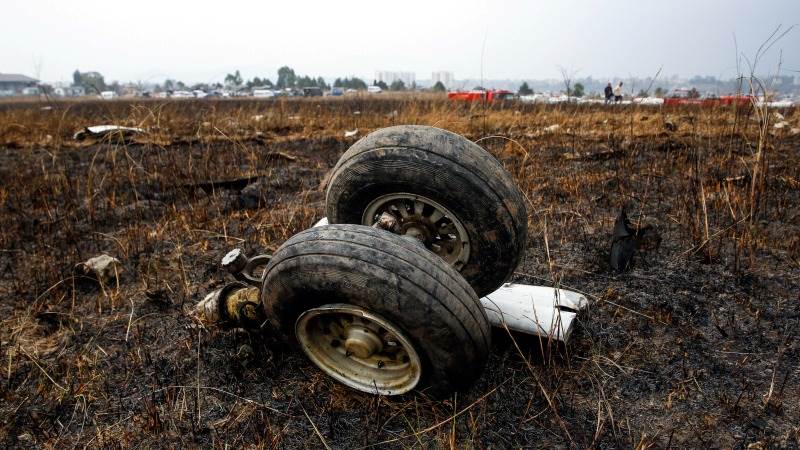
539	310
352	133
104	130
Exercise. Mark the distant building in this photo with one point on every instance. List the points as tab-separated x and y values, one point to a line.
13	84
446	78
408	78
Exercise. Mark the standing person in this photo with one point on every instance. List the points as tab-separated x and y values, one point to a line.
609	91
618	93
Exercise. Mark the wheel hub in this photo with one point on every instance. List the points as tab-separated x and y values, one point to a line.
362	342
359	348
426	220
417	230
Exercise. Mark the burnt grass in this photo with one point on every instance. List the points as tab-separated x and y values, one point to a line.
695	346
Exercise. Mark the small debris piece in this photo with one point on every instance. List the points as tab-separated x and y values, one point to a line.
103	266
623	243
626	240
280	155
551	128
352	133
670	125
781	124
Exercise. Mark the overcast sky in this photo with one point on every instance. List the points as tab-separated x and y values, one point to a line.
149	40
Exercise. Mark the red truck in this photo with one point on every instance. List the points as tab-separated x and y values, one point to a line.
479	95
682	97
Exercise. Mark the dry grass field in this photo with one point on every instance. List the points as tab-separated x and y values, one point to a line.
696	346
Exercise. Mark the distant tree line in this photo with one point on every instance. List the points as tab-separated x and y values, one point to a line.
287	79
398	85
90	81
350	83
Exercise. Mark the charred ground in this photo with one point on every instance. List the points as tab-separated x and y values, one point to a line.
696	346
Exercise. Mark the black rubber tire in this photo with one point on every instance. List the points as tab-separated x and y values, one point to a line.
390	276
449	169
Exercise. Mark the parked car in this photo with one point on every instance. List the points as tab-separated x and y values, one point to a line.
337	91
182	94
478	95
263	93
312	92
374	89
108	95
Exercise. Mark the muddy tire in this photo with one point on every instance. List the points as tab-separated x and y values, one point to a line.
428	304
446	174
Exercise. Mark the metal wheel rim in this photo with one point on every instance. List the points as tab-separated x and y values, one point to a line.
436	226
335	336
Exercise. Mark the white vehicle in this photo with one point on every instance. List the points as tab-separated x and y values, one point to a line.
182	94
374	89
263	93
534	98
108	95
199	94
